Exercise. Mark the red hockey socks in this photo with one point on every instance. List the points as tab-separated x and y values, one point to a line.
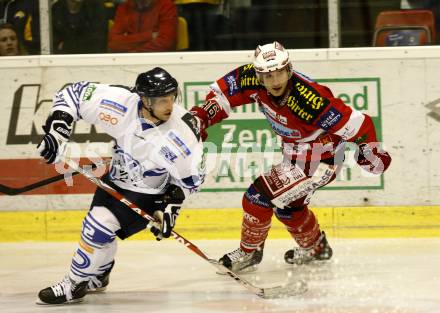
302	226
255	226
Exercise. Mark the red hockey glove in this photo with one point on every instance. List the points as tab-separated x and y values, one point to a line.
372	158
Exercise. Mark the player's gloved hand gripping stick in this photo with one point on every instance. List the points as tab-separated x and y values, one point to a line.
166	219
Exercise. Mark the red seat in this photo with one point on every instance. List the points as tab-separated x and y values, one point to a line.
404	28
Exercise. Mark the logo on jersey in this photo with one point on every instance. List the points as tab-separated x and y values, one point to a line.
283	177
305	102
113	106
325	139
124	167
89	93
248	78
312	97
249	81
169	155
232	84
284	131
278	117
108	118
305	187
278	122
174	139
329	119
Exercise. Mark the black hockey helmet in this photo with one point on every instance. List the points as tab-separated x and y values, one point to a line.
156	83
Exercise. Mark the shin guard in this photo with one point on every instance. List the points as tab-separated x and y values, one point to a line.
97	247
301	223
256	223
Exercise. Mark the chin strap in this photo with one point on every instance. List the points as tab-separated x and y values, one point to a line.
150	110
282	100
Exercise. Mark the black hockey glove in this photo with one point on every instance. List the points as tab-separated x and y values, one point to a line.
58	129
166	219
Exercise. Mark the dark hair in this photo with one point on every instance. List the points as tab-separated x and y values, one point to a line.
21	49
8	26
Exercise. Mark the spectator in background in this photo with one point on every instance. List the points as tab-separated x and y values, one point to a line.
9	44
204	22
110	10
25	18
79	26
144	26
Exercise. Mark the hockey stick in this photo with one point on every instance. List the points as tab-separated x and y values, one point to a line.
11	191
281	291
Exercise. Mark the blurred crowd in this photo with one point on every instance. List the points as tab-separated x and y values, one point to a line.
101	26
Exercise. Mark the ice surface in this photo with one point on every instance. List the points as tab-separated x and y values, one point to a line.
364	276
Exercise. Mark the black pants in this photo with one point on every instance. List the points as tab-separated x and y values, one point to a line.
130	221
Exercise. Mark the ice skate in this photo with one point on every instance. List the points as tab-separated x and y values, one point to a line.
64	292
99	283
239	260
319	251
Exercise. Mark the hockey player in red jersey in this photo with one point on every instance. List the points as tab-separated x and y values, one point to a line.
314	126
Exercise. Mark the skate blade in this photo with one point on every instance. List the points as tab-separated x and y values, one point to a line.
96	290
74	301
311	262
247	270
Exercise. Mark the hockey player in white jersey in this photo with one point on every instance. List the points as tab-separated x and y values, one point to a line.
157	162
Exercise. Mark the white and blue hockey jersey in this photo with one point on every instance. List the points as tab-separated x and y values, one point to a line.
146	158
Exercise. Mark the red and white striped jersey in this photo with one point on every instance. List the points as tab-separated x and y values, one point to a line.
310	120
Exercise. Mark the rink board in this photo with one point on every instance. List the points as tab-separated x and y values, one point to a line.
398	87
195	224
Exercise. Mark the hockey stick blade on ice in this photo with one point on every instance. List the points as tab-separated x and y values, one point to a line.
281	291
